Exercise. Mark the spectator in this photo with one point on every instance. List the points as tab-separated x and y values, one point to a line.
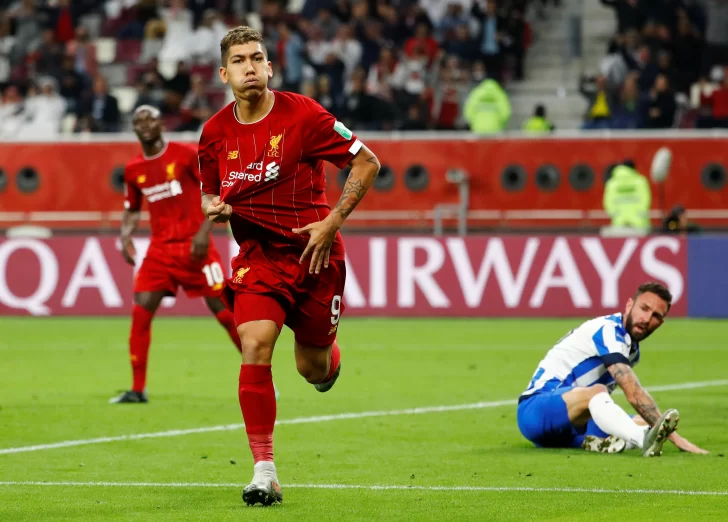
661	105
347	49
380	74
627	112
28	23
411	75
462	44
291	51
716	35
99	111
361	110
687	45
196	107
422	41
83	53
179	35
628	197
493	39
538	123
601	103
717	101
72	84
676	222
12	111
44	110
415	120
6	44
64	22
328	99
631	14
49	56
207	38
487	108
175	89
328	24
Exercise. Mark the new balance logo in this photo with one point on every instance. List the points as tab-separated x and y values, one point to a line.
271	171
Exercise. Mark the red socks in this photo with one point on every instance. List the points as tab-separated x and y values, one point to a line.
258	404
227	320
335	360
139	339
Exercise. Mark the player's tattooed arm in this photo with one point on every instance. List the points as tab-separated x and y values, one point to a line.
637	396
129	224
364	169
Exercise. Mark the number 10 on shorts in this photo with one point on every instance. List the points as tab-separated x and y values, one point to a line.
335	309
213	273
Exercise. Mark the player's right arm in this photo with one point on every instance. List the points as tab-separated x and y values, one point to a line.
638	397
213	207
130	217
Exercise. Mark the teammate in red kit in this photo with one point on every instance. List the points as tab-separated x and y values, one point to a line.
180	252
261	161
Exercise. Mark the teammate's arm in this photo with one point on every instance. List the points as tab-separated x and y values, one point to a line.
637	396
131	216
364	169
129	224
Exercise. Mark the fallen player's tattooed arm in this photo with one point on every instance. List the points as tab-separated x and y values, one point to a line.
640	399
637	396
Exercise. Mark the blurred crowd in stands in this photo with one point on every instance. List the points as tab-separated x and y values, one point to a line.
84	65
664	68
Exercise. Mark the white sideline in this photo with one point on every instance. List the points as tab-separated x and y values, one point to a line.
374	488
321	418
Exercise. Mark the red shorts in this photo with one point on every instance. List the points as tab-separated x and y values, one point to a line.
270	284
167	273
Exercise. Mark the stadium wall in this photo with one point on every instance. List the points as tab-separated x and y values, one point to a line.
515	180
413	276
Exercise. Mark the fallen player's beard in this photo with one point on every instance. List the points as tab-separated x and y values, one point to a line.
637	336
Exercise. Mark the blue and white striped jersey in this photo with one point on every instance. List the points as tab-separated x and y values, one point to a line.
582	356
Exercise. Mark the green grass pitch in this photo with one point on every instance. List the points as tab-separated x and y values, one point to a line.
57	374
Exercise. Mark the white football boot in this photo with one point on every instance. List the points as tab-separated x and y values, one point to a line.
656	436
265	488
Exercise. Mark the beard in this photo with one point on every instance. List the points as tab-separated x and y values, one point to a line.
637	335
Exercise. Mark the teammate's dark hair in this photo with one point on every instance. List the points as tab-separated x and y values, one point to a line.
240	36
658	289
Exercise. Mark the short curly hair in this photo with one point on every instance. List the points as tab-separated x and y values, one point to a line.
239	36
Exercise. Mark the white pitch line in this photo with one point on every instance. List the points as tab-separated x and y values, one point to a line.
375	488
320	418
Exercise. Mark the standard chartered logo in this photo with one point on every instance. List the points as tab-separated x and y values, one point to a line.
272	171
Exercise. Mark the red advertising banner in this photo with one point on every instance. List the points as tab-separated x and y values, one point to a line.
480	276
66	170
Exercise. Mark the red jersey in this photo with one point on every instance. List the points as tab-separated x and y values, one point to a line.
170	181
271	172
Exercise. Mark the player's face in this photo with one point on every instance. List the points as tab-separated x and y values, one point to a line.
644	315
247	70
147	128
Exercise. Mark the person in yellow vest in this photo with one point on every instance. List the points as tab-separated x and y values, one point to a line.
628	197
487	108
538	123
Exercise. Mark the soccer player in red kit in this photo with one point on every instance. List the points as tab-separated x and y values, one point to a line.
180	252
261	162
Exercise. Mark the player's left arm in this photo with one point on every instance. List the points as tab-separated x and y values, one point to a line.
364	169
638	397
327	139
